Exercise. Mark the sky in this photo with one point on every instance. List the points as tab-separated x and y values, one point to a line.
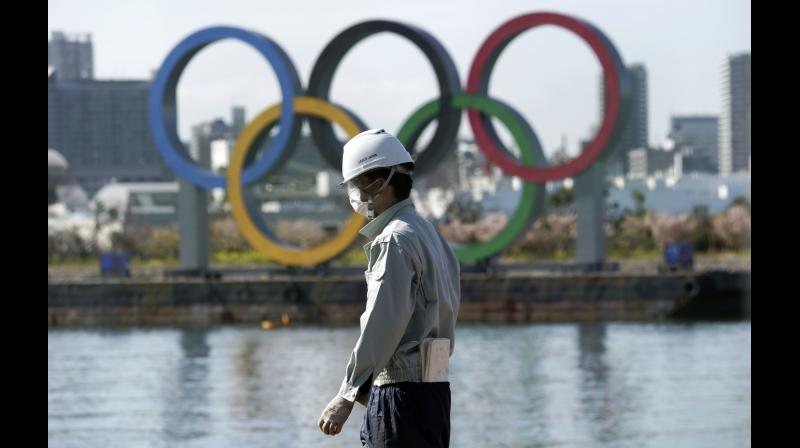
548	74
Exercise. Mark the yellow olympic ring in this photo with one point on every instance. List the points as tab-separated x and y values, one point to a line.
274	250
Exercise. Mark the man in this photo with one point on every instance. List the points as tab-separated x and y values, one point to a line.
413	294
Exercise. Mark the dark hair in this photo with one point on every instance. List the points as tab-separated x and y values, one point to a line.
401	183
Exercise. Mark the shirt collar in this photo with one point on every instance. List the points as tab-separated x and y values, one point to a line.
375	227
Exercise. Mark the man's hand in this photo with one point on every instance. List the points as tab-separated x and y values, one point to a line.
334	416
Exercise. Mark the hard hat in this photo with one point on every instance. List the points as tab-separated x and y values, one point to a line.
372	149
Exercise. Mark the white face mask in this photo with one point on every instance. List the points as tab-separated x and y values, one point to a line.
365	208
360	207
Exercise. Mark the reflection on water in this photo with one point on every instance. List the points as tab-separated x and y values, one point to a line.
610	385
185	402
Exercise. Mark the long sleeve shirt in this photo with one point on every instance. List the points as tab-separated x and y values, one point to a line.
413	293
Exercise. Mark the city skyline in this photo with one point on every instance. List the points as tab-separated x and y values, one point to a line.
681	52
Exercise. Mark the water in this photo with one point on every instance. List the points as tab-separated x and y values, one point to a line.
566	385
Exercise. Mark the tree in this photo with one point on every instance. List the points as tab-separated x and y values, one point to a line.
561	197
638	200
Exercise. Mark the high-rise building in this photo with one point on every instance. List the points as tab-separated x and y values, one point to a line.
101	129
71	56
237	120
734	124
695	140
635	134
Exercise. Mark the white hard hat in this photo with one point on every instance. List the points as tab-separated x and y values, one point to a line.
372	149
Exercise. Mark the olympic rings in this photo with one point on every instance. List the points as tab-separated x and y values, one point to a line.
446	110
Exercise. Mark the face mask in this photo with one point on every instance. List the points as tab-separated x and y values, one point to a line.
354	195
360	207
